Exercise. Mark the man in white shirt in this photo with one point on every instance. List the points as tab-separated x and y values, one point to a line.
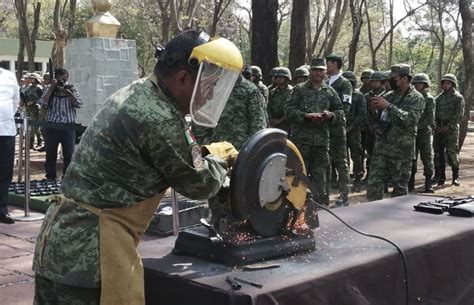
9	100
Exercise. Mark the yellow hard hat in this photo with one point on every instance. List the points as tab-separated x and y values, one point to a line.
220	52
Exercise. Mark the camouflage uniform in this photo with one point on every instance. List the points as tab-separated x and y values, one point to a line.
277	100
395	144
424	142
137	146
32	95
449	111
365	74
338	143
257	73
242	117
312	138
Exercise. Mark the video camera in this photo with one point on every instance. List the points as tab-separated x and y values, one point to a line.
63	83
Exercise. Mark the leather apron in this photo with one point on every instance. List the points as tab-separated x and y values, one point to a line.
120	229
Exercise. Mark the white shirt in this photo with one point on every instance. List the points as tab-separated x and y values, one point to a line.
333	78
9	100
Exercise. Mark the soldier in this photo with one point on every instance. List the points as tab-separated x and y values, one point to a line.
30	100
277	99
243	115
366	77
257	80
301	75
449	111
356	118
136	147
337	132
395	135
386	81
46	79
311	108
424	137
247	72
376	84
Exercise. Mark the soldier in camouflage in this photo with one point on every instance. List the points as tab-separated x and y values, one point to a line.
257	80
311	108
355	118
30	100
424	137
377	88
337	132
366	77
277	99
449	111
301	75
273	74
395	135
137	146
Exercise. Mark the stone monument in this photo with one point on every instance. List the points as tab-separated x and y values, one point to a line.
100	64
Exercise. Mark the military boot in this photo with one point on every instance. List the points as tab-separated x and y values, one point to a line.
442	178
456	181
428	185
342	201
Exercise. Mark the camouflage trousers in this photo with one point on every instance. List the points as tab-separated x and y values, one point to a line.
446	143
338	156
316	159
48	292
381	169
35	131
354	142
424	146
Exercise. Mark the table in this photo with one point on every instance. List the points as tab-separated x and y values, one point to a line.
346	268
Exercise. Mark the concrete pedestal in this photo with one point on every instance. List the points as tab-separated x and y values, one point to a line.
98	67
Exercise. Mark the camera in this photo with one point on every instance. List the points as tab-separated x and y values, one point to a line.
63	83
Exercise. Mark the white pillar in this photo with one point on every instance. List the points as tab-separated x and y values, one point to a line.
12	65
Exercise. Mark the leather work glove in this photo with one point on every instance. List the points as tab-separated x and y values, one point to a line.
223	150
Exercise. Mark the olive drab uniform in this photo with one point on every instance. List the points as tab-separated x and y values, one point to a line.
242	117
449	111
111	173
424	142
31	96
338	142
356	118
395	143
276	106
312	138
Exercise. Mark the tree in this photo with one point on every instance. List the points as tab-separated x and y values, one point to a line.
298	34
340	13
60	33
356	7
219	8
264	35
467	15
27	39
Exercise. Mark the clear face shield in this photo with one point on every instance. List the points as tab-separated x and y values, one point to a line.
211	91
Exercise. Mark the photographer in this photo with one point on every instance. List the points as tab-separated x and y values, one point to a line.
61	100
395	134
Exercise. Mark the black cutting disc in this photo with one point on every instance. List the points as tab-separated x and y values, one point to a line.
265	148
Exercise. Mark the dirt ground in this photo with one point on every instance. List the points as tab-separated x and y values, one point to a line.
466	175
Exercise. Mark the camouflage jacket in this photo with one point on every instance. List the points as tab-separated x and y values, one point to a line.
364	89
344	90
372	114
263	90
357	115
449	109
136	146
305	98
276	106
398	139
427	119
32	94
243	115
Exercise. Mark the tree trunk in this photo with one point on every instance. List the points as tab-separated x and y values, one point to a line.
390	40
218	11
309	50
467	15
341	8
264	45
442	34
298	34
357	21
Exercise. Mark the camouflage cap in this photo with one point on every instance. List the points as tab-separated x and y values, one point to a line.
452	78
35	76
421	78
400	70
366	73
386	74
378	76
318	63
257	71
351	76
302	72
284	72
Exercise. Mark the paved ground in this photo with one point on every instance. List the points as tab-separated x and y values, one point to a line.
17	241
